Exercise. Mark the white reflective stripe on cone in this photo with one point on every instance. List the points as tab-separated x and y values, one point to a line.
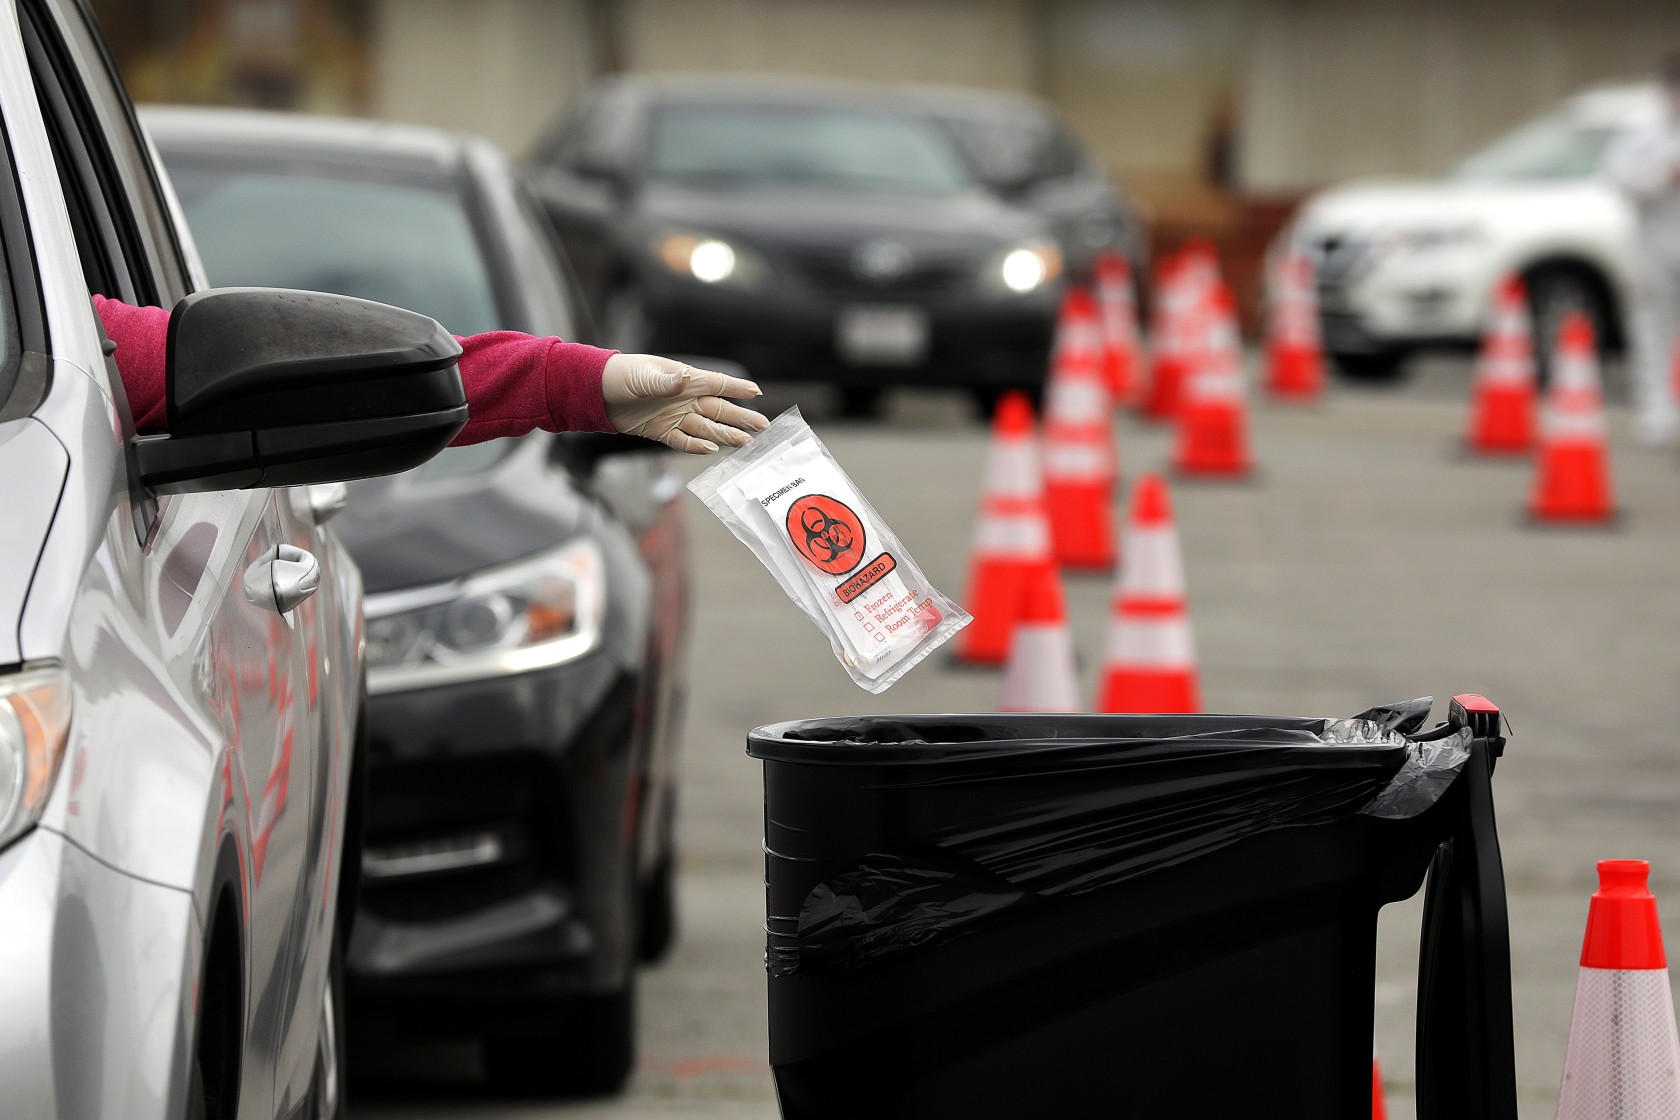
1076	461
1025	536
1012	468
1040	676
1083	339
1153	643
1077	399
1153	568
1502	369
1584	425
1624	1057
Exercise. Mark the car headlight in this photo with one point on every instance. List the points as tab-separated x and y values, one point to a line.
708	259
531	615
1027	268
34	724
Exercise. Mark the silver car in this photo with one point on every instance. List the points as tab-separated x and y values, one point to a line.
181	674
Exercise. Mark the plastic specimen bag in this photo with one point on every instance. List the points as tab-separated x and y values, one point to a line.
788	500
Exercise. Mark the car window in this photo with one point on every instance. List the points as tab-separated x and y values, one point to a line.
766	145
277	225
1553	147
123	228
11	246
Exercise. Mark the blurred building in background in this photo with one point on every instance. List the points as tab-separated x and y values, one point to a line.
1217	113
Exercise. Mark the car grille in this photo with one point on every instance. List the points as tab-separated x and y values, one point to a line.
833	274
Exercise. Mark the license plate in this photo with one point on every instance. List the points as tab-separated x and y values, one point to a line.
881	336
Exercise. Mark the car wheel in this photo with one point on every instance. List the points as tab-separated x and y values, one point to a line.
1375	365
659	908
624	322
589	1050
1552	294
326	1091
860	402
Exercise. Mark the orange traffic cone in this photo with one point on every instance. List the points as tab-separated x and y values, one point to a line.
1573	483
1502	401
1294	352
1624	1055
1118	312
1379	1108
1151	662
1080	466
1012	540
1213	417
1173	299
1041	676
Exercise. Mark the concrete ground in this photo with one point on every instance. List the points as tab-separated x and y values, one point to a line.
1368	562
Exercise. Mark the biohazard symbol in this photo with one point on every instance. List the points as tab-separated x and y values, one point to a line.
827	533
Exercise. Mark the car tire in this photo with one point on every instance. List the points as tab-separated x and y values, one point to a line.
624	321
589	1050
1386	365
1552	294
327	1087
860	402
658	913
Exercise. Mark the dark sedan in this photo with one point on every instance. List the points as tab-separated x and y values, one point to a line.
810	231
1020	149
526	605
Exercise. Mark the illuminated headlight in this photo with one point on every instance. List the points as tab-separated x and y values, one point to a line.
710	260
531	615
1027	268
34	723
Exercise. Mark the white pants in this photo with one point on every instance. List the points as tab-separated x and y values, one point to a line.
1655	321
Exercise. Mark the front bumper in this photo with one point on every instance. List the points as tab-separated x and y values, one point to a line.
96	987
1405	300
536	773
788	332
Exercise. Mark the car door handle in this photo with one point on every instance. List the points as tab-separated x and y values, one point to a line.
283	578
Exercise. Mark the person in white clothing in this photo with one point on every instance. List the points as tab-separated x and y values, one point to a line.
1645	165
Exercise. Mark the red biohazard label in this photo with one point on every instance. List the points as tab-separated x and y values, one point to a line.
865	579
827	533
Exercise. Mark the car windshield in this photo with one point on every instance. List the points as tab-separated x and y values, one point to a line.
1005	149
284	226
833	147
1554	147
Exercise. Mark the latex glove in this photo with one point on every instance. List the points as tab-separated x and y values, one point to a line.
678	405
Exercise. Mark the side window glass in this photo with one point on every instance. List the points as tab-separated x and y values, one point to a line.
95	127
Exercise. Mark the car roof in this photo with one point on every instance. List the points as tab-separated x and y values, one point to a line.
802	89
404	148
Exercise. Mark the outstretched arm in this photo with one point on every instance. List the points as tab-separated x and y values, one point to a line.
515	383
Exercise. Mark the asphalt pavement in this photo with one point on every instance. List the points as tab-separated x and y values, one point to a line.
1368	561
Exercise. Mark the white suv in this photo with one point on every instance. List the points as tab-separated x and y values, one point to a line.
1408	265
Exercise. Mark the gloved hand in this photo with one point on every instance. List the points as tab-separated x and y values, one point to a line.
678	405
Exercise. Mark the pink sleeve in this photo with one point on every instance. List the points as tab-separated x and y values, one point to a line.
142	338
515	382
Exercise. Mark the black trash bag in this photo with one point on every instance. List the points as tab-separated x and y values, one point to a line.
998	814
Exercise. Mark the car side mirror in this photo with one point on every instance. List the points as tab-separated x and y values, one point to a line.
276	387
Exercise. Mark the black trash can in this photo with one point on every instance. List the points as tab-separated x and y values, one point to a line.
997	916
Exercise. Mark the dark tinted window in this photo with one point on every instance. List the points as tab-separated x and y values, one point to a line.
276	225
802	145
99	145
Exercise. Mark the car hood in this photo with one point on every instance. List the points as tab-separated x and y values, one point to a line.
443	521
1382	206
795	217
